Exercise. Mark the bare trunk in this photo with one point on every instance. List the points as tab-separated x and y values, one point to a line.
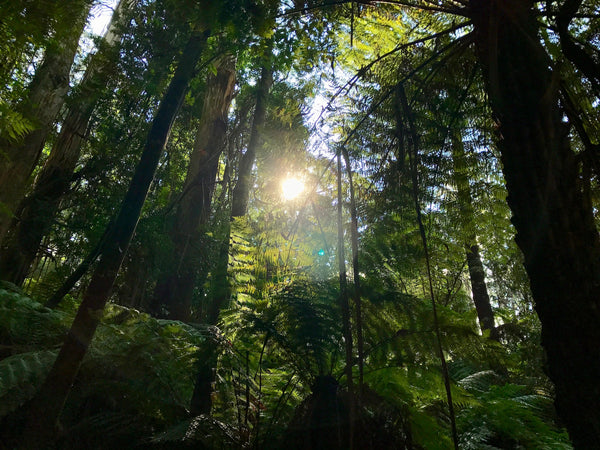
481	298
36	212
554	223
241	193
356	274
45	97
175	290
220	291
46	407
345	307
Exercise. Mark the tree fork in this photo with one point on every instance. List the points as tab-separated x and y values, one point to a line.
176	288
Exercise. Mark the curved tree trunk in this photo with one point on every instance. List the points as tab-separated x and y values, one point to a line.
46	407
45	97
36	212
175	290
481	299
555	225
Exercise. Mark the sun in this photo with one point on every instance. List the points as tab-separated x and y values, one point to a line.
291	188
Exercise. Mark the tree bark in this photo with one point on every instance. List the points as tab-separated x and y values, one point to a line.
481	298
46	407
220	290
241	192
356	295
45	97
554	224
175	291
36	212
345	308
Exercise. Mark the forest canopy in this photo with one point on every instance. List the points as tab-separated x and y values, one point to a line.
299	224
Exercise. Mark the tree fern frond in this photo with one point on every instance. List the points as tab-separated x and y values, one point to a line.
20	377
204	430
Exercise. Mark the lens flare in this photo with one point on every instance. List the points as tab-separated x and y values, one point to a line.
291	188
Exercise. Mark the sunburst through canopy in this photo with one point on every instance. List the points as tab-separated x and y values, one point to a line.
291	188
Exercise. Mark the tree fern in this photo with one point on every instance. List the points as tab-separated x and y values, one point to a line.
27	325
20	377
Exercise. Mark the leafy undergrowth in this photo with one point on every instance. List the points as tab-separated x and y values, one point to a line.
135	384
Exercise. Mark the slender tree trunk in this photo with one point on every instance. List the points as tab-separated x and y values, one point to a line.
345	307
46	407
175	291
481	298
241	192
356	273
44	100
554	224
36	212
413	154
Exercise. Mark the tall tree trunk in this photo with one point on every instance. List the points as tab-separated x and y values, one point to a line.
36	212
45	97
554	224
46	407
356	295
241	192
175	291
481	298
201	399
345	307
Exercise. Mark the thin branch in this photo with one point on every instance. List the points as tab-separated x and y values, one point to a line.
431	7
363	70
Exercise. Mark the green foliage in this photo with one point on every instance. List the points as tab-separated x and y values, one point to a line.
12	124
281	326
20	377
136	378
508	416
25	325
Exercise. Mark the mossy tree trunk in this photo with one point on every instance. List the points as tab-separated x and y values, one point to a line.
201	399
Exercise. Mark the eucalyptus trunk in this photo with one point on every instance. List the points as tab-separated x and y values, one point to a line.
47	406
44	99
481	298
36	212
220	290
175	290
554	222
